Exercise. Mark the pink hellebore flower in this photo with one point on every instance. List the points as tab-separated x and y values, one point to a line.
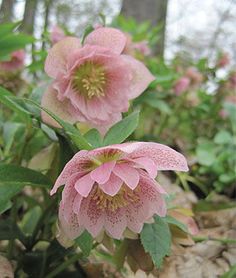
194	75
142	47
15	63
57	34
181	85
93	83
223	60
113	188
232	80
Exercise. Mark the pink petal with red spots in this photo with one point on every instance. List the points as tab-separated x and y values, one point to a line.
102	173
112	186
163	156
58	55
91	217
75	165
115	223
70	228
128	174
84	185
148	164
110	38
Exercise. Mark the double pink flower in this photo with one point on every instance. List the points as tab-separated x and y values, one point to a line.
15	63
93	83
113	188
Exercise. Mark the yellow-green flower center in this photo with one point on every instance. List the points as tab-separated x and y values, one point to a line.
89	79
123	198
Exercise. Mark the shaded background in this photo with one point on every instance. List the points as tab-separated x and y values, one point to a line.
199	28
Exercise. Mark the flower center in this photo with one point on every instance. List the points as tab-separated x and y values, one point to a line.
123	198
89	79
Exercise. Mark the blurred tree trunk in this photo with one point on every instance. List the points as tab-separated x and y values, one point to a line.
6	10
47	9
154	11
27	25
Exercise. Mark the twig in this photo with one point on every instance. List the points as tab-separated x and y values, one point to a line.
222	240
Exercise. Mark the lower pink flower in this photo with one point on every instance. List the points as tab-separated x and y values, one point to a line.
181	85
15	63
57	34
113	188
194	75
223	60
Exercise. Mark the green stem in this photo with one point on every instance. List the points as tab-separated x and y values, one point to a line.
64	265
13	216
222	240
198	183
120	254
41	220
163	124
183	181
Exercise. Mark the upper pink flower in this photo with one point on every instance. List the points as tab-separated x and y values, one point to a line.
232	80
15	63
181	85
223	60
93	83
194	75
132	47
142	47
57	34
113	188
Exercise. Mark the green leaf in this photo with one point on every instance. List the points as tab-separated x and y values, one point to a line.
223	137
156	239
6	99
13	42
9	230
173	221
13	178
231	273
85	242
159	104
94	138
204	205
8	191
231	109
121	130
206	154
30	220
70	130
7	28
10	130
13	174
87	31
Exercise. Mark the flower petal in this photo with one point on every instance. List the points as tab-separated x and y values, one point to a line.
110	38
91	217
75	165
149	193
128	174
84	185
70	227
148	164
62	109
112	186
102	173
58	55
115	223
141	78
163	156
77	202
